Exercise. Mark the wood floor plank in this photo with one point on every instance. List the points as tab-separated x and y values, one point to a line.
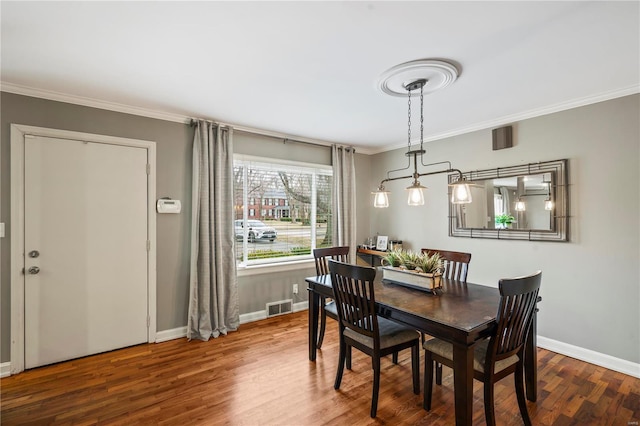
261	375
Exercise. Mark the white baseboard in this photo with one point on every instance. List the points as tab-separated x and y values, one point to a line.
180	332
253	316
587	355
300	306
174	333
5	369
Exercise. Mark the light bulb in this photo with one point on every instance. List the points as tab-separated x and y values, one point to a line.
416	197
460	193
381	200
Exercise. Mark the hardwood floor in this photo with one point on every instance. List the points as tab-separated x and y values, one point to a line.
261	375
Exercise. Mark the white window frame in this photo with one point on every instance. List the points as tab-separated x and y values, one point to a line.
290	262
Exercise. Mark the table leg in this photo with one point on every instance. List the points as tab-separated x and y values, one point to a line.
531	360
463	383
314	311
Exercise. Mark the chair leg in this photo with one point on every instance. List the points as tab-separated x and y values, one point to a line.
519	383
394	357
488	404
415	368
438	373
348	357
428	380
323	325
375	360
341	360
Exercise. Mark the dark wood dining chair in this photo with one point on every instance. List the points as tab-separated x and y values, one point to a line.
456	263
327	309
499	355
362	329
456	267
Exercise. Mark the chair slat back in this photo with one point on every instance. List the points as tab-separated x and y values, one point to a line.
518	298
322	254
353	292
456	263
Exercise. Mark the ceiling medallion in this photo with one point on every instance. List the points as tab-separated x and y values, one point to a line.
438	74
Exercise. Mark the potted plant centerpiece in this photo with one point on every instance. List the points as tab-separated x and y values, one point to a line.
504	221
413	269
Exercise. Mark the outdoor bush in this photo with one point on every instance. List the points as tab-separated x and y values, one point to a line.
267	254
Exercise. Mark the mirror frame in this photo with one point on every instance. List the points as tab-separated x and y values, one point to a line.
559	215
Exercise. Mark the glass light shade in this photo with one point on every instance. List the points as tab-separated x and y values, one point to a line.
520	206
416	197
548	204
380	199
460	193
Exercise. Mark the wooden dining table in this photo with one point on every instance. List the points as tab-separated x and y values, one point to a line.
460	313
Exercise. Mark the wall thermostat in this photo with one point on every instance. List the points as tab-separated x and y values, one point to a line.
167	205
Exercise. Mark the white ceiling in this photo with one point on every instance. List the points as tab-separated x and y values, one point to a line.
310	69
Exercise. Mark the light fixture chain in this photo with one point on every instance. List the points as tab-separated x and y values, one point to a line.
421	115
409	123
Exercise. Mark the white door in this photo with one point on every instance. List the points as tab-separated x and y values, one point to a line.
85	233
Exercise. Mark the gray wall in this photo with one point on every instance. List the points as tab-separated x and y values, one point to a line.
173	143
173	179
590	285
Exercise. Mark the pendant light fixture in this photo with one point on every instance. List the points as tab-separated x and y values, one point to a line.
520	205
548	204
438	74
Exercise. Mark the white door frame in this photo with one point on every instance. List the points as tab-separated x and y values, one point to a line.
18	134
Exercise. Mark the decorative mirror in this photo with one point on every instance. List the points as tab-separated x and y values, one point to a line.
526	202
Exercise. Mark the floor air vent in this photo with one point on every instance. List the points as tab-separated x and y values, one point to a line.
279	308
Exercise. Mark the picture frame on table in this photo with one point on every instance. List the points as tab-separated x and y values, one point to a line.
381	242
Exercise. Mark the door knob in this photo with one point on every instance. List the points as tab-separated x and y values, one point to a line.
34	270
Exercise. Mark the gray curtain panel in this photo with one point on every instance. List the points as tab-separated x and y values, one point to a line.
213	286
344	198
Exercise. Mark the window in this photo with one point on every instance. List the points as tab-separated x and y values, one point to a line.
287	230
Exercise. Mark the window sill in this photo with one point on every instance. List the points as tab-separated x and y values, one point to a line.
243	271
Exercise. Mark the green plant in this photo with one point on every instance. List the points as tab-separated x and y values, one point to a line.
392	258
505	219
409	259
429	264
419	262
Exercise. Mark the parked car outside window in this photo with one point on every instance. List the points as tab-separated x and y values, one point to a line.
257	231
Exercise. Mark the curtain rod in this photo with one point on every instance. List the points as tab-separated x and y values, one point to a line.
273	135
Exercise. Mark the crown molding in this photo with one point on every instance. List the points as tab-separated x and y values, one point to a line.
179	118
510	119
149	113
90	102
